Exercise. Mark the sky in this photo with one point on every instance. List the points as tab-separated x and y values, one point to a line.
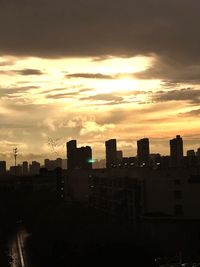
92	70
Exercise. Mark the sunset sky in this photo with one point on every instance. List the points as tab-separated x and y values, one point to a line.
92	70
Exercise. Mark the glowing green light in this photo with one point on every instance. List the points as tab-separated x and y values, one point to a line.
91	160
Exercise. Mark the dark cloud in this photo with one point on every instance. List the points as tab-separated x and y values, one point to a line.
89	76
171	72
185	94
192	113
108	98
62	95
15	90
50	28
28	72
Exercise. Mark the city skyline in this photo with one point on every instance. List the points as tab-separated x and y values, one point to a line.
91	71
112	152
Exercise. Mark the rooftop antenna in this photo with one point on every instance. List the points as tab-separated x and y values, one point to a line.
15	151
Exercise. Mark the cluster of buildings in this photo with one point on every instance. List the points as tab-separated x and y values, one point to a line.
32	169
115	159
159	196
80	158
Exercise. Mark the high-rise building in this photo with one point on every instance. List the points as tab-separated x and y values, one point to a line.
25	168
143	152
176	151
78	158
83	158
2	168
111	153
71	154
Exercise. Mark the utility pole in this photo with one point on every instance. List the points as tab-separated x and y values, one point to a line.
15	151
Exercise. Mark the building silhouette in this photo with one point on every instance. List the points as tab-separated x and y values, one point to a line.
78	158
111	153
53	164
34	168
25	169
143	152
2	168
176	151
71	154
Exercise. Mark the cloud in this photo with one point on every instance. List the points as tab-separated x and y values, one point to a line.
70	94
192	113
89	76
171	72
27	72
10	92
105	99
61	95
186	94
4	63
93	28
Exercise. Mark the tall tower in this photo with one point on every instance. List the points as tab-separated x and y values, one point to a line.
71	154
78	158
111	153
176	151
143	152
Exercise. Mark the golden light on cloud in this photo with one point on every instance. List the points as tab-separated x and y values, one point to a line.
90	99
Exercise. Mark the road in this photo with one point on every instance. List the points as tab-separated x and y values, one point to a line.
17	249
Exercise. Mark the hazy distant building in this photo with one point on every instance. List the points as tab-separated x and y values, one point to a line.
64	164
16	170
12	170
198	156
19	170
176	151
143	152
2	168
58	163
99	164
111	153
191	153
34	168
25	170
51	165
78	158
